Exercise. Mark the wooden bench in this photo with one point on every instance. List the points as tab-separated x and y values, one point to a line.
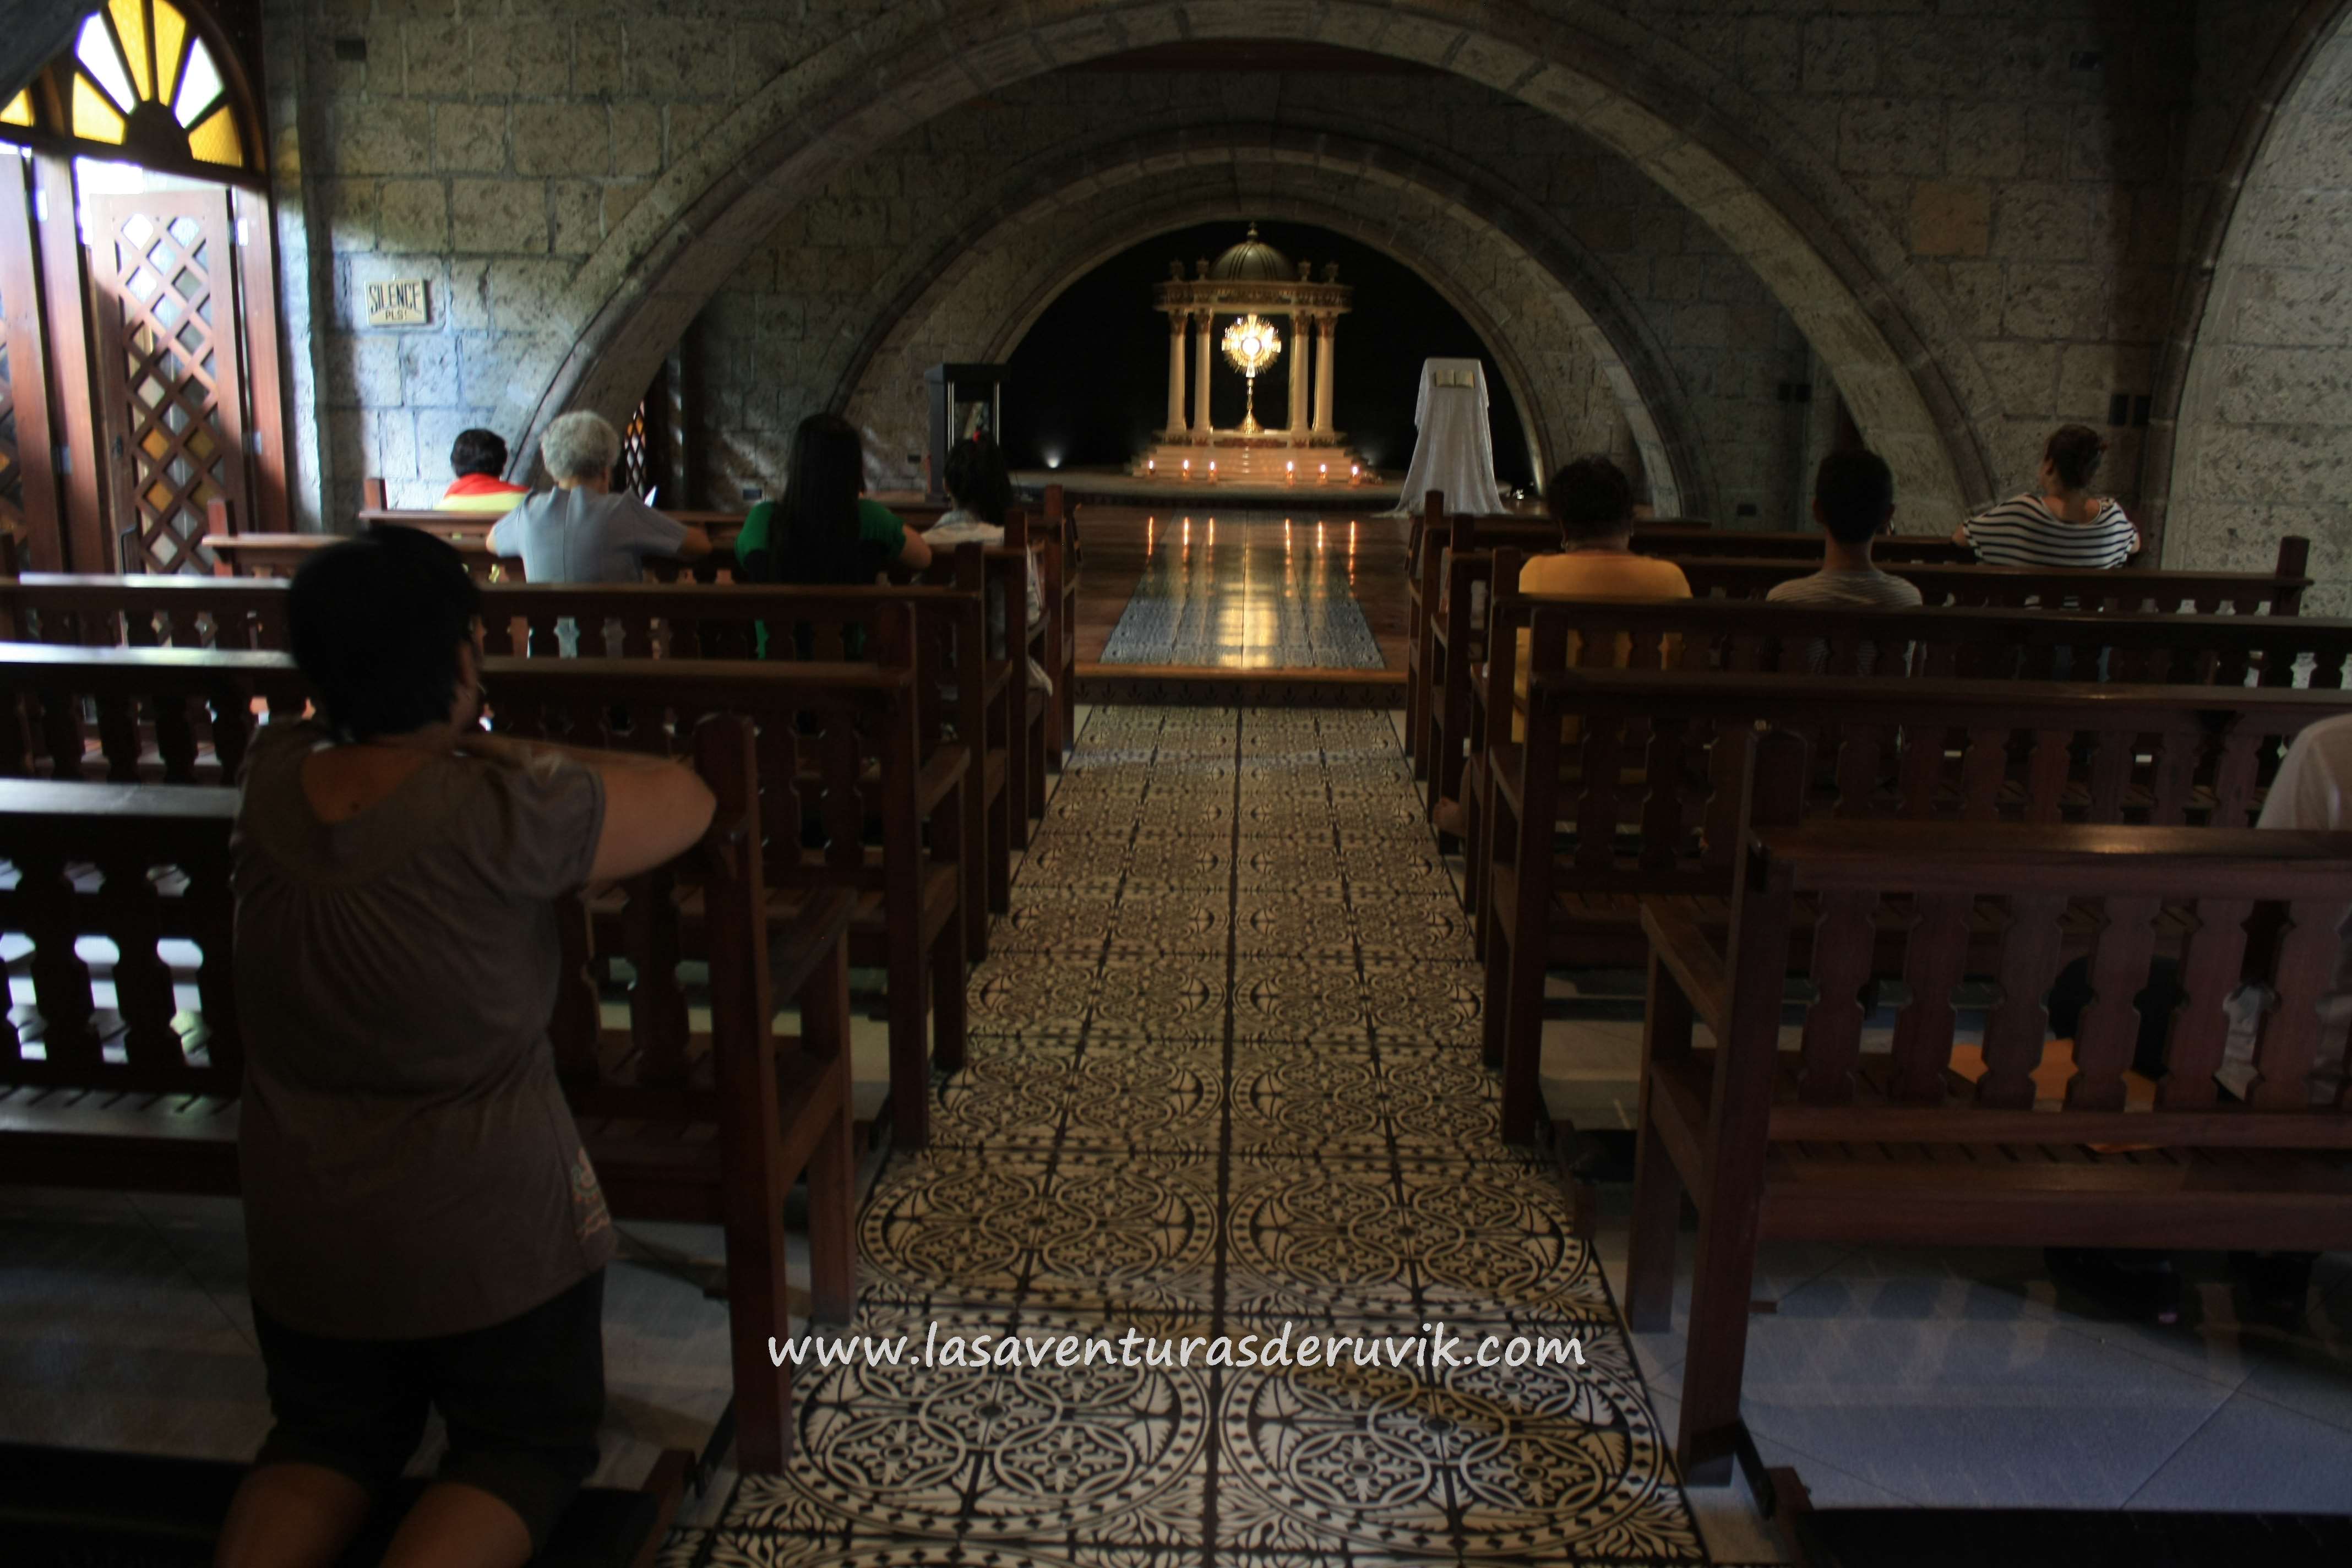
178	715
375	507
1833	1142
1446	706
713	1127
1650	790
652	620
1718	637
1436	534
1054	639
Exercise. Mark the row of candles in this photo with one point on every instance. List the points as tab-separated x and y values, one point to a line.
1289	471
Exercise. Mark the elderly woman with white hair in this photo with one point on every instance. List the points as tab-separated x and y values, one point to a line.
580	531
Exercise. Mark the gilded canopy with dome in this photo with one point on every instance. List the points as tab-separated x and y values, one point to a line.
1253	276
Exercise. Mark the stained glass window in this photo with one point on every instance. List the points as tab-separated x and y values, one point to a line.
140	75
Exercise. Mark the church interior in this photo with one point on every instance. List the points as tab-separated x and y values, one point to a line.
1394	784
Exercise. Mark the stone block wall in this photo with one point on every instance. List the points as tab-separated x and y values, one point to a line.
1977	211
788	328
2265	443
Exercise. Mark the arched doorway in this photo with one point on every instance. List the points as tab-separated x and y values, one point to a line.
138	291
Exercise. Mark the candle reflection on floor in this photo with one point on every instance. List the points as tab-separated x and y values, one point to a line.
1260	603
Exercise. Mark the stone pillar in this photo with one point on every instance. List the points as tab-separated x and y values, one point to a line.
1298	363
1204	360
1326	337
1176	372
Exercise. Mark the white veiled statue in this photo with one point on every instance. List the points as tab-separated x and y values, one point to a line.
1455	451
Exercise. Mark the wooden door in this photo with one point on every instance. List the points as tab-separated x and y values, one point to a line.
28	492
164	329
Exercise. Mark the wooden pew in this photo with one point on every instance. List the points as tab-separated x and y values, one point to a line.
1650	788
1829	1141
712	1128
1676	539
1446	705
199	706
1050	730
654	620
1058	540
1719	636
375	507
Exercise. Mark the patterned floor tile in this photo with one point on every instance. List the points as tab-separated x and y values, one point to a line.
1285	998
1147	1094
1286	863
1048	917
1161	995
1184	861
1303	923
1034	994
1325	1099
1307	1235
1155	917
1410	924
1224	1076
1425	999
1053	1456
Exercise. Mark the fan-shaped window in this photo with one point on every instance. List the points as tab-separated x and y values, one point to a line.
140	76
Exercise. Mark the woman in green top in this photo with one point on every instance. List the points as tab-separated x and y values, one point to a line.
824	532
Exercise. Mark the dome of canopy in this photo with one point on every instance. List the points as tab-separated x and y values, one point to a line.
1253	262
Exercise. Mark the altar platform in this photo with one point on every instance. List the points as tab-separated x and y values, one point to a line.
1375	492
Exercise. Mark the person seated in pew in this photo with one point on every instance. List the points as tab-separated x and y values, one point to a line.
424	1229
580	532
2061	524
1593	502
982	492
1853	500
477	458
824	532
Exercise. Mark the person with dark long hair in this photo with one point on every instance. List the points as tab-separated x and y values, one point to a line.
982	492
2059	522
825	531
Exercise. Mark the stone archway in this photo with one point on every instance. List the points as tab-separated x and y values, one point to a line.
1575	355
1907	374
2263	446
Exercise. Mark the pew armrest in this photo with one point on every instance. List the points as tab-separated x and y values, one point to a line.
941	774
1695	962
799	945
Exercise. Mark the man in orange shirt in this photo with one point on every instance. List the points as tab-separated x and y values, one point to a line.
1592	502
479	457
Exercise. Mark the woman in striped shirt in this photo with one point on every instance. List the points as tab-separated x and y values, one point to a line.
2065	525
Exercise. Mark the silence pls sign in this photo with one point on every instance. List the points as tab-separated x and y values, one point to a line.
396	302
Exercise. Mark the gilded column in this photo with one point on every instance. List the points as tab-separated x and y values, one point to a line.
1326	336
1298	363
1202	360
1176	372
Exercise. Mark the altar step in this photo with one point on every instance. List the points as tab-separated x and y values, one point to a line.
1261	462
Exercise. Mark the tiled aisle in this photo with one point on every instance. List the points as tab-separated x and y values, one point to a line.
1224	1074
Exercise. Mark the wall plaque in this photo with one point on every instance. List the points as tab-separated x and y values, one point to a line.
396	302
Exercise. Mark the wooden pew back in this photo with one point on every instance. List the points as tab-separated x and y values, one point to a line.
1652	778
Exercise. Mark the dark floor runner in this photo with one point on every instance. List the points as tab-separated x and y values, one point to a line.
67	1508
2054	1538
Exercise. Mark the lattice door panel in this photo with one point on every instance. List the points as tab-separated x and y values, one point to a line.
171	382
